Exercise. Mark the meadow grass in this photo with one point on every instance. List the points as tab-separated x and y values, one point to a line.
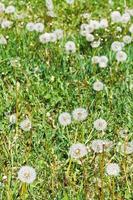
44	82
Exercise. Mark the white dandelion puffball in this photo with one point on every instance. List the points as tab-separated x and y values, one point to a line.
6	24
127	148
2	7
103	61
27	174
59	34
98	86
131	29
77	151
121	56
3	40
95	59
100	124
80	114
127	39
125	18
113	169
65	119
89	28
117	46
98	146
39	27
53	37
95	44
13	118
90	37
30	26
10	10
70	47
116	17
44	38
70	1
103	23
49	5
25	125
95	24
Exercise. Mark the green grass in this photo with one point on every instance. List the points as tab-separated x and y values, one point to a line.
52	82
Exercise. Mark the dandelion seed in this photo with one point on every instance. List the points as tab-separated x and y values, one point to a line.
98	146
98	86
113	169
121	56
95	59
125	18
70	47
117	46
103	23
49	5
127	39
6	24
27	174
90	37
100	124
116	16
10	9
127	148
53	37
39	27
65	119
44	38
78	151
80	114
30	26
59	33
25	125
94	24
103	61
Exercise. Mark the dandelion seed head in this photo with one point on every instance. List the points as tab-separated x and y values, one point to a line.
121	56
25	125
77	151
98	146
70	47
39	27
98	86
127	39
100	124
44	38
116	16
27	174
113	169
10	9
64	119
80	114
30	26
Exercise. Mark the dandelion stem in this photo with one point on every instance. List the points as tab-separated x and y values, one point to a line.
23	191
102	174
113	189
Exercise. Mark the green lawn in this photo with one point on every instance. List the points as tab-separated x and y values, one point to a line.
41	81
